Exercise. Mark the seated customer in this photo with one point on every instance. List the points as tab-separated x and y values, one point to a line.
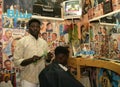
56	74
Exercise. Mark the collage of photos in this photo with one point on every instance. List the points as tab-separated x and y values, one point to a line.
10	36
105	41
84	39
99	77
12	28
53	33
9	72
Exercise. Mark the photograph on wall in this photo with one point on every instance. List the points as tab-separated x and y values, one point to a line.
16	13
104	78
13	22
9	40
86	5
20	5
84	29
89	76
114	52
0	14
100	40
53	33
108	78
76	47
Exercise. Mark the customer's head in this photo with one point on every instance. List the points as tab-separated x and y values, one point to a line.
61	55
34	27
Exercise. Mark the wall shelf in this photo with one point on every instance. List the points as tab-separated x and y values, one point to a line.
108	24
47	18
72	17
109	14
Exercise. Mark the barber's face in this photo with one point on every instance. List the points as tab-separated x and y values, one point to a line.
62	59
34	29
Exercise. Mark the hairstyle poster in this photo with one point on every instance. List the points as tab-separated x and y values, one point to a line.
107	78
99	40
115	47
53	32
89	76
86	5
8	43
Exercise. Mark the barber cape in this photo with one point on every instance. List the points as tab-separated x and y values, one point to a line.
54	75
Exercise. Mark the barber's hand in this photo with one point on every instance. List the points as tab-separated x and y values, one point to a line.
49	57
28	61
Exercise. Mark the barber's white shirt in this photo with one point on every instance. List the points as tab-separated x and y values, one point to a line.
26	48
6	84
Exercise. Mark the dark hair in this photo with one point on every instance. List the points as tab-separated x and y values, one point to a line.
33	20
48	23
54	34
7	61
44	33
61	49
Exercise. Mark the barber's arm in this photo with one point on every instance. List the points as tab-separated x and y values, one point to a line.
19	59
30	60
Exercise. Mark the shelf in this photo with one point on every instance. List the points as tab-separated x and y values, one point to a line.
108	24
110	65
111	13
72	17
47	18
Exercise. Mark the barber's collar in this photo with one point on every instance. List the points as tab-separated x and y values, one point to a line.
63	67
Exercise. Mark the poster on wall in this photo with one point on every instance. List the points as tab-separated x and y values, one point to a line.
0	34
9	41
9	22
16	13
86	5
115	47
108	78
53	33
99	40
19	5
99	77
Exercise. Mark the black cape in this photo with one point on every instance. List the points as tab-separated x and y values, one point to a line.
54	76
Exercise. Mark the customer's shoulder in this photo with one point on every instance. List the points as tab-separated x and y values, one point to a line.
53	67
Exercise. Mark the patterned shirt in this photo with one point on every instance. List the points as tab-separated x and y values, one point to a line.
26	48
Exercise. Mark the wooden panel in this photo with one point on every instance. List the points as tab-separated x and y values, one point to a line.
78	62
99	63
72	62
